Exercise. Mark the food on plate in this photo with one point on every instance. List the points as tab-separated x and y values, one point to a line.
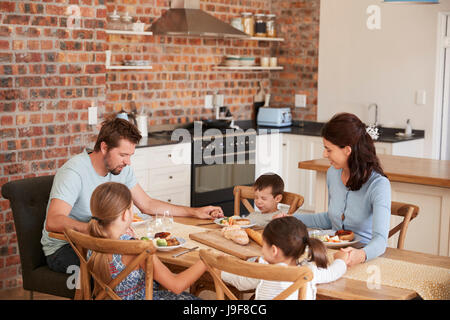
241	222
162	235
327	238
145	238
236	234
168	242
161	242
345	235
136	218
254	235
227	221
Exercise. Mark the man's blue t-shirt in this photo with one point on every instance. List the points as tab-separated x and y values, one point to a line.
74	183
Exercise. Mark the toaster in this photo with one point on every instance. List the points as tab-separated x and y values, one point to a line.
274	117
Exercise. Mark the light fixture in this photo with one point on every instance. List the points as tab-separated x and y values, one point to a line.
413	1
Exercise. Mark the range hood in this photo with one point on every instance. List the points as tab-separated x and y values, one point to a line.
184	18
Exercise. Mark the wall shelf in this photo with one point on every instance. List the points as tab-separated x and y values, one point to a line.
128	32
250	68
129	67
266	39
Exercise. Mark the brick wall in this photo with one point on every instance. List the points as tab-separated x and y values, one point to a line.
51	73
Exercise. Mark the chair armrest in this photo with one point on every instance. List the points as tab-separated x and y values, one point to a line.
57	235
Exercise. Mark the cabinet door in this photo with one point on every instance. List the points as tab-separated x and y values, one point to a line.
292	153
179	196
268	154
169	177
383	148
313	149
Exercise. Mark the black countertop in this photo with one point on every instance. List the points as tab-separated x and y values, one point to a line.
307	128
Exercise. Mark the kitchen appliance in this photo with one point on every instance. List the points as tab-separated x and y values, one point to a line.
274	117
186	19
221	159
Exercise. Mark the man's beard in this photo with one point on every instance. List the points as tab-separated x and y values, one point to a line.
115	171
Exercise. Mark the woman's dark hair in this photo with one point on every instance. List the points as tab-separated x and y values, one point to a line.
346	129
291	236
115	129
270	180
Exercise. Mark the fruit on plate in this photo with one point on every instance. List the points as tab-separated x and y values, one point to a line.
145	238
161	242
345	235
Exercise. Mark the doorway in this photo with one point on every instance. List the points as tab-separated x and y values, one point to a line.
441	142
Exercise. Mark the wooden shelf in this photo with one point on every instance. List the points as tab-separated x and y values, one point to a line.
266	39
129	67
127	32
250	68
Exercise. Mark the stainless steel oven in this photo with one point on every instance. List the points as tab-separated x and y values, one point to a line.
221	160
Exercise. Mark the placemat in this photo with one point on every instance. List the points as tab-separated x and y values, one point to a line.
430	282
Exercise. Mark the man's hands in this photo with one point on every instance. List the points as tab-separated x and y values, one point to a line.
208	212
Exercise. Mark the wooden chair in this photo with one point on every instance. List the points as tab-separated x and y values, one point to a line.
408	212
142	249
214	262
242	193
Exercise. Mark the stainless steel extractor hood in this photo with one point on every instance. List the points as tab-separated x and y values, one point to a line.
184	18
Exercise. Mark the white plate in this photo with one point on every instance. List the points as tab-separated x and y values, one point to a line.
144	217
341	244
217	221
182	241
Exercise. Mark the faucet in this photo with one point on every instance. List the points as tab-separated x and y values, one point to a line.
376	124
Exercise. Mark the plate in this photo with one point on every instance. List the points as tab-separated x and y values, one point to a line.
144	218
182	241
217	221
342	244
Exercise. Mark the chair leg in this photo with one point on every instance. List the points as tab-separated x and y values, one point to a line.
31	295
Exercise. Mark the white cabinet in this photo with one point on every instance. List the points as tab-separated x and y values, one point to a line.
268	154
412	148
164	172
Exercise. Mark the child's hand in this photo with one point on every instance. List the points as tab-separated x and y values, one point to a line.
342	255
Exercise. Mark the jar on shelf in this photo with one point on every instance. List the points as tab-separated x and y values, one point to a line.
114	21
248	22
260	25
270	25
127	22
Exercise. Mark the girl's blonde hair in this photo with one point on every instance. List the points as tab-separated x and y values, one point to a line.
108	201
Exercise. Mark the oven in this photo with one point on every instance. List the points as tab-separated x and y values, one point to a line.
221	160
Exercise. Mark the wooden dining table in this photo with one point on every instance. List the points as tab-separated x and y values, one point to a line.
341	289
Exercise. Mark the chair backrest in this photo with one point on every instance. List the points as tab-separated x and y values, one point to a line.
28	199
143	250
408	212
242	193
299	276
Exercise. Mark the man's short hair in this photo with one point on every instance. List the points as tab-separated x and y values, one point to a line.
114	130
270	180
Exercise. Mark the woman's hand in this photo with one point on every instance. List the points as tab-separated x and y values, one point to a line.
279	215
355	256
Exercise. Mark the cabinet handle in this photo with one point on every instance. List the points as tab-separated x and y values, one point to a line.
284	144
169	200
170	177
170	156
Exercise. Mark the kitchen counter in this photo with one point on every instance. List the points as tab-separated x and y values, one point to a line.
153	141
312	128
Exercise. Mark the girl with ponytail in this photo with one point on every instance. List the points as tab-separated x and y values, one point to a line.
285	241
111	207
359	194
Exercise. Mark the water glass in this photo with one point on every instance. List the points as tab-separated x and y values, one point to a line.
167	221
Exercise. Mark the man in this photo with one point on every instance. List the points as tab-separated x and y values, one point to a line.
69	203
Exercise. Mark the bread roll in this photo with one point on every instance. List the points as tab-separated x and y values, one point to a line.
255	236
236	234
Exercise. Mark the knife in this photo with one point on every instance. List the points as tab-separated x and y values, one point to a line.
183	252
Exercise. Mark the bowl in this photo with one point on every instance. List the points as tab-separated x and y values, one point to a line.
247	61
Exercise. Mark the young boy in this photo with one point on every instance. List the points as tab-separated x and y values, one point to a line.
269	189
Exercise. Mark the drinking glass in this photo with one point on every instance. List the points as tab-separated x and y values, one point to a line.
167	221
157	223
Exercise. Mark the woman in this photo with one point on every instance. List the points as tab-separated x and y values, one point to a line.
359	194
